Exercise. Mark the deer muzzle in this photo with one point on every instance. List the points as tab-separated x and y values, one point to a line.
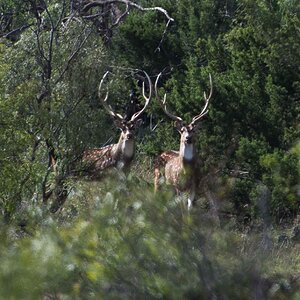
188	140
129	136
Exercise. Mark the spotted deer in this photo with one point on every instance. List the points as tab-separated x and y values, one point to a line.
118	155
95	161
181	167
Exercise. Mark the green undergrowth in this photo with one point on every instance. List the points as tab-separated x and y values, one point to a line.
117	240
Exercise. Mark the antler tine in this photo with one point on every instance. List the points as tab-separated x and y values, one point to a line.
205	108
104	101
147	99
163	102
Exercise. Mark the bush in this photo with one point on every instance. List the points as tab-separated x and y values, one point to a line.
132	244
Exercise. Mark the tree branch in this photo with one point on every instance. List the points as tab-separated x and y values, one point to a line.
72	56
15	31
128	3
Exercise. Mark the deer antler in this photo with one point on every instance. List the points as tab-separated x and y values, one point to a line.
104	101
163	102
147	99
205	108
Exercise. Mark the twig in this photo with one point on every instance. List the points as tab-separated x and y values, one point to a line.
6	35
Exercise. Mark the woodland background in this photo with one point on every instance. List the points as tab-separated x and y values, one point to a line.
118	240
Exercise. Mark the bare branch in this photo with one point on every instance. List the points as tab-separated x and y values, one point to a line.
15	31
129	4
39	44
62	13
107	22
163	37
122	16
51	37
95	3
72	56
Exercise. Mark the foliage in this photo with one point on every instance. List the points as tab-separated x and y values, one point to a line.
39	100
117	239
282	176
130	244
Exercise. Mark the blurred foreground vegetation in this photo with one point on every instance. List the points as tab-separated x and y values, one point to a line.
124	243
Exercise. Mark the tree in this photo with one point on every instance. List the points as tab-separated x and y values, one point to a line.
58	61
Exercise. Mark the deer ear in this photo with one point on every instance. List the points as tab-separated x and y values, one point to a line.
178	125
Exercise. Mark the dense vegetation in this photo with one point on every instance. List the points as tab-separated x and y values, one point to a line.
119	240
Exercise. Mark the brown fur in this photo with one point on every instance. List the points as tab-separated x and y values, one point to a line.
178	172
181	167
111	156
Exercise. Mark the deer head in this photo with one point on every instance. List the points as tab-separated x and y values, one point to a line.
127	127
187	131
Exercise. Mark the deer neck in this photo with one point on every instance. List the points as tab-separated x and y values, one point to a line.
125	147
187	152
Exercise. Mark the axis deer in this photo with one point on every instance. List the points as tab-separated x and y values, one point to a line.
181	167
118	155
